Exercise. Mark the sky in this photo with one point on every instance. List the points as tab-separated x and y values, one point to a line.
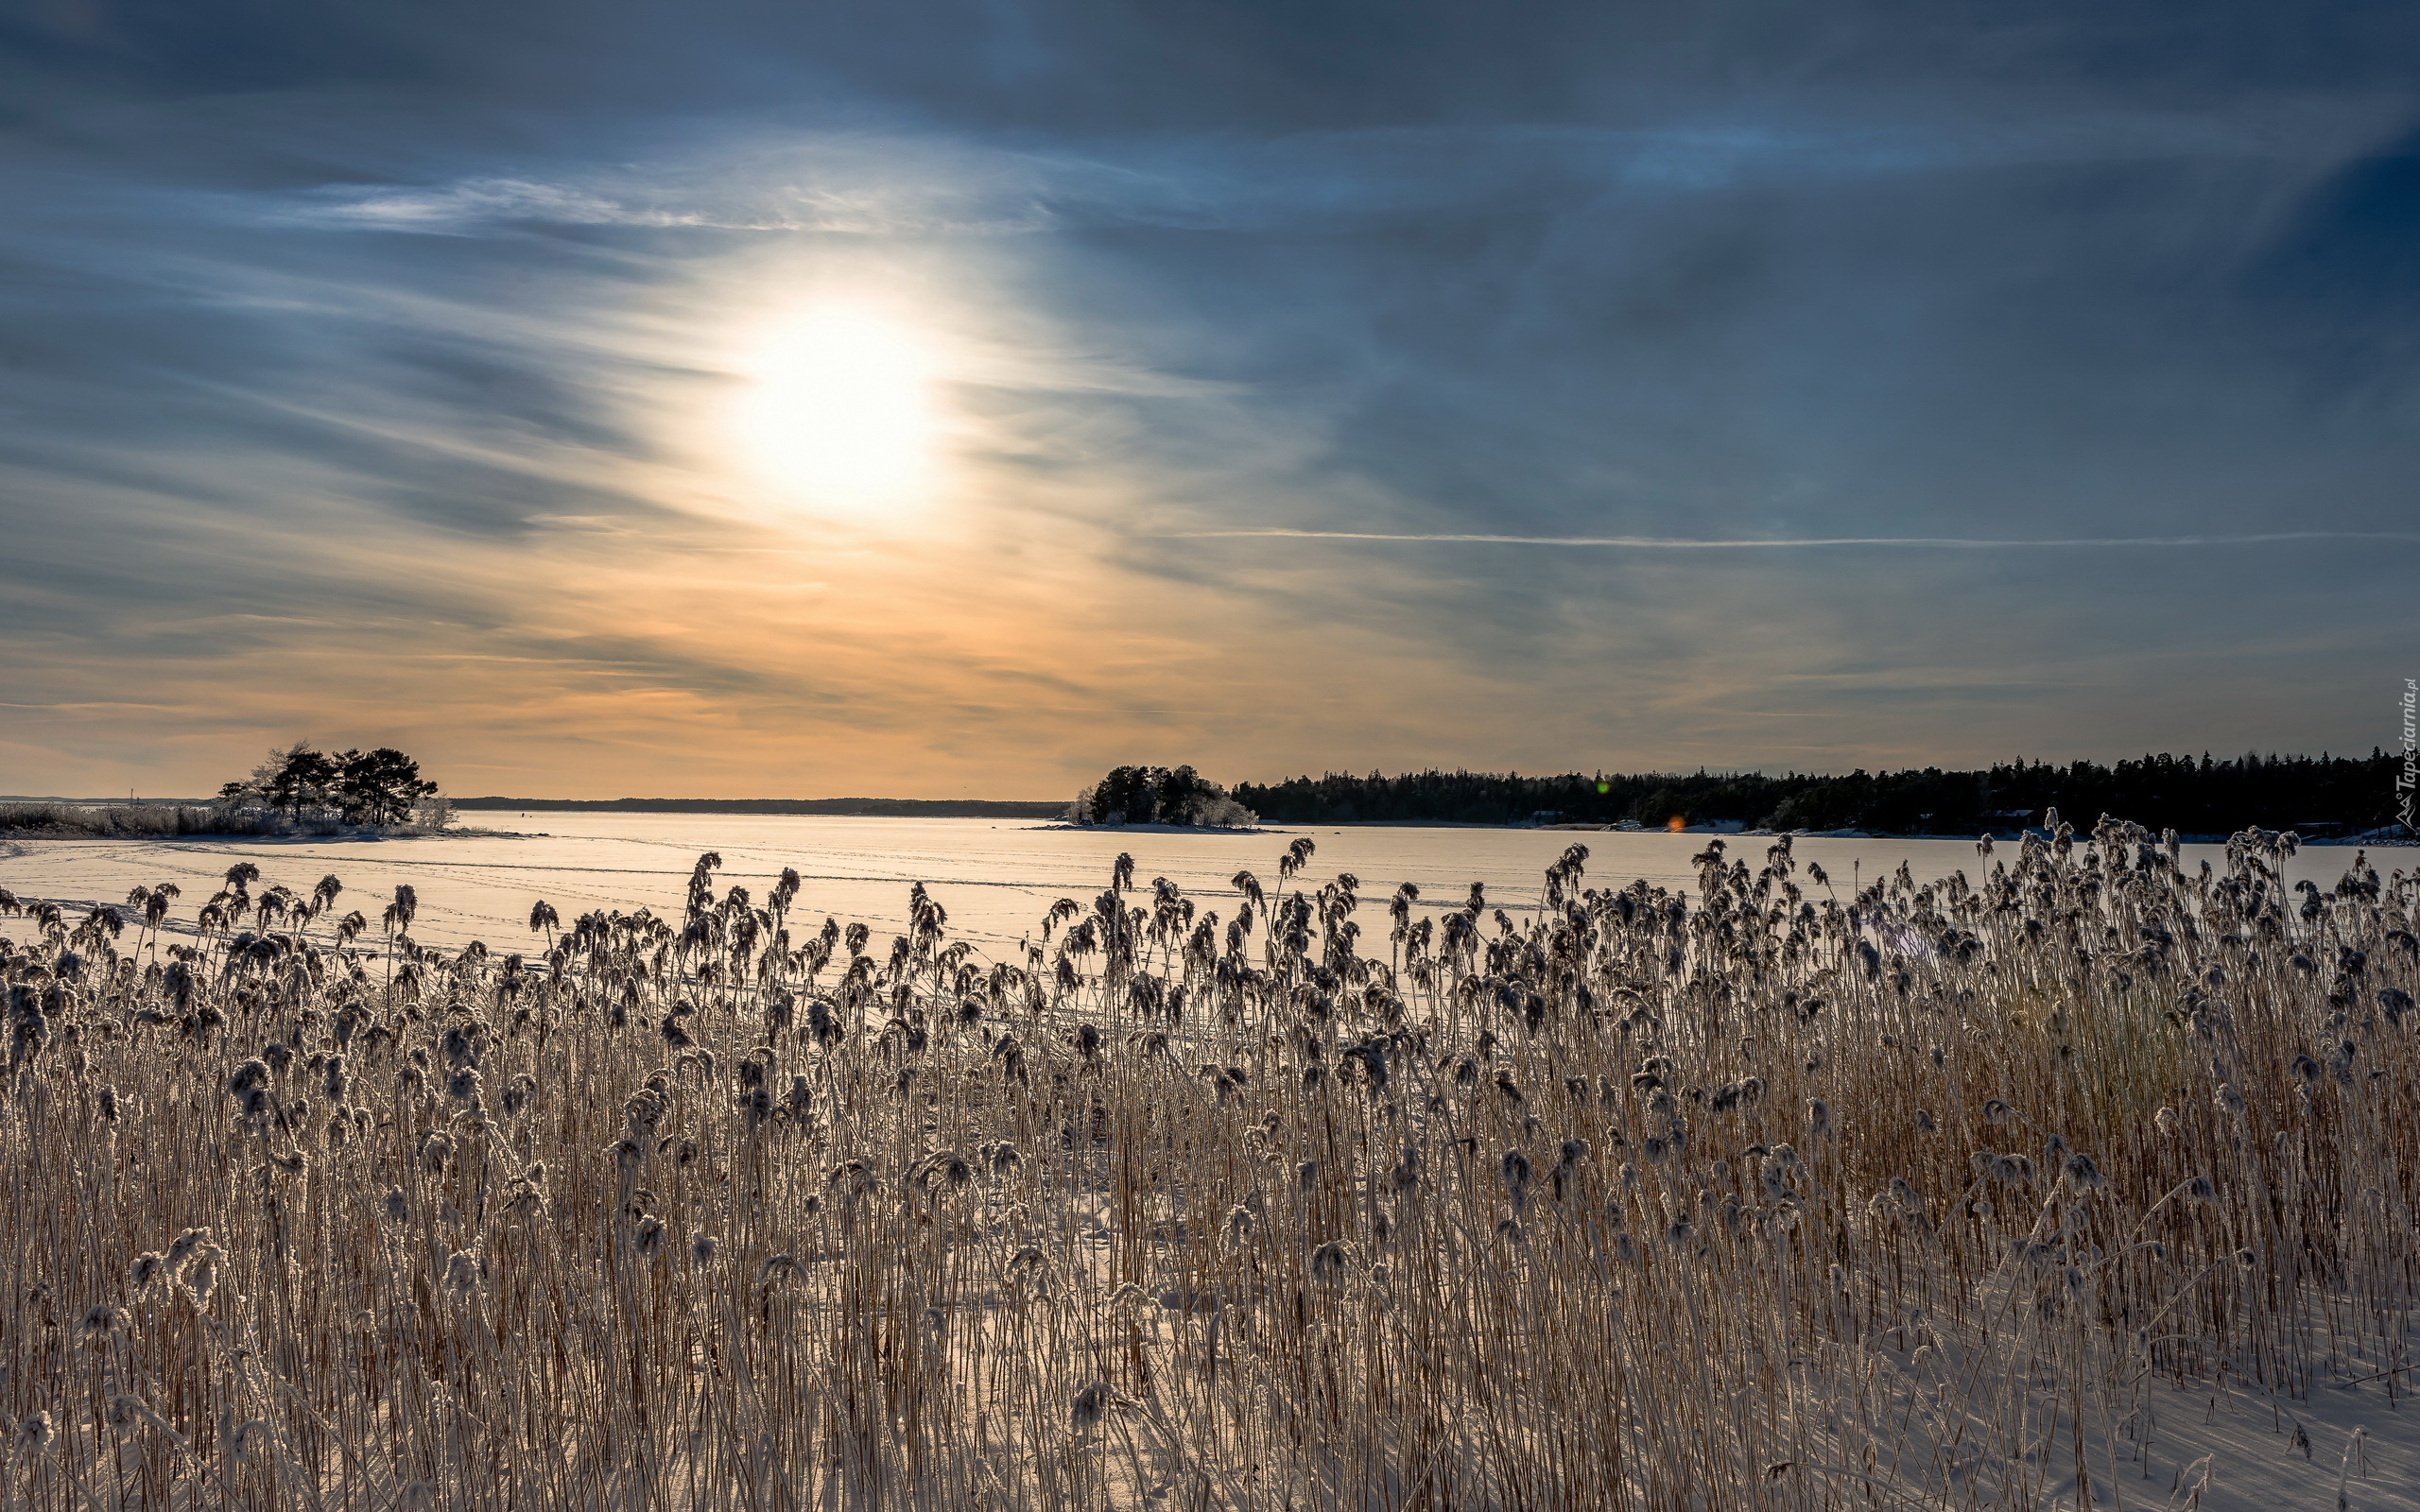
957	399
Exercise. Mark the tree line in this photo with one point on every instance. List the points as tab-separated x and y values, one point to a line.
2313	795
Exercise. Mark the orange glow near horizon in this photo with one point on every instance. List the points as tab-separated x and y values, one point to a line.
1676	824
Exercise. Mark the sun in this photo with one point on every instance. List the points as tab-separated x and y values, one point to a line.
839	411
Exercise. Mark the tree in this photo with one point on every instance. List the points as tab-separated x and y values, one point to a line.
378	786
294	780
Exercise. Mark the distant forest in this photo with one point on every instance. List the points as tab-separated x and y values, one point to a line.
2314	796
889	808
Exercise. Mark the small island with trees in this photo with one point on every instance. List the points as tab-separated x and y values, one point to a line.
298	790
355	787
1178	796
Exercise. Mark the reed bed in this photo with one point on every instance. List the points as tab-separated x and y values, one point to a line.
148	821
1765	1195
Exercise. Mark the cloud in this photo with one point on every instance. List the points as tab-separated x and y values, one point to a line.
1857	391
864	182
1922	542
846	186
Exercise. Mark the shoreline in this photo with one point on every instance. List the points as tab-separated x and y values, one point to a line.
1722	830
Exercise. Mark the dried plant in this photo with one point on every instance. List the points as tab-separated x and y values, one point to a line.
1733	1198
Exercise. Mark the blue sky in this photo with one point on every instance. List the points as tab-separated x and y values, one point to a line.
957	399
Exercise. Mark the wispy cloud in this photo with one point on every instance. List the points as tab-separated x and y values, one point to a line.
1669	544
862	204
895	183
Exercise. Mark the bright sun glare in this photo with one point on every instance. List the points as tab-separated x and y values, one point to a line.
841	411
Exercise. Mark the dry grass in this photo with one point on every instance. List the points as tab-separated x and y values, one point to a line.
1761	1198
135	822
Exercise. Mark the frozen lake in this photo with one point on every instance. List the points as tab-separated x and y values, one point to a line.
994	876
